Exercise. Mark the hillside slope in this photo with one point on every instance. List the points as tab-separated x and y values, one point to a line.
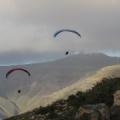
82	85
92	104
46	79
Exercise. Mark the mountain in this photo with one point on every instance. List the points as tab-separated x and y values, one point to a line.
45	80
101	102
88	81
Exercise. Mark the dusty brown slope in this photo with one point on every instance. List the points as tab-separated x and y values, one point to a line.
110	71
46	79
82	85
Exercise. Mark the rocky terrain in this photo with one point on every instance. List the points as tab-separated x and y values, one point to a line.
81	106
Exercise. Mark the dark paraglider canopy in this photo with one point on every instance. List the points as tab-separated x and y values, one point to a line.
12	70
66	30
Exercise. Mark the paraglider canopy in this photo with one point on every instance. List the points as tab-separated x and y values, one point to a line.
66	30
12	70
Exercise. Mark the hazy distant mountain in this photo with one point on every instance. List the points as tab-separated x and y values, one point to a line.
46	79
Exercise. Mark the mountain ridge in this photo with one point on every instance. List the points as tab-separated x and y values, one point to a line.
39	87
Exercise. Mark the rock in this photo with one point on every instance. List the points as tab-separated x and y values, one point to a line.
114	112
117	98
93	112
32	117
115	108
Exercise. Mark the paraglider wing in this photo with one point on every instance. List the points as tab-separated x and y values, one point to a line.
66	30
12	70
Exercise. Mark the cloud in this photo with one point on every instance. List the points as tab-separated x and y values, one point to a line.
28	25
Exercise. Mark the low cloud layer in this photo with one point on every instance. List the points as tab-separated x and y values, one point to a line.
28	26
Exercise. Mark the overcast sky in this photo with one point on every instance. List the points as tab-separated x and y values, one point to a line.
27	28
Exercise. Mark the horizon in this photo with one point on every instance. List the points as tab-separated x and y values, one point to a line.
51	59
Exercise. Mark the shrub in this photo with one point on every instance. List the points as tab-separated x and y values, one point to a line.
102	92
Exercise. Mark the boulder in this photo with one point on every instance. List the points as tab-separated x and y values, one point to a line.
114	110
117	98
93	112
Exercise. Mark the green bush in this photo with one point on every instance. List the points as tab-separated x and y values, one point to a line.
102	92
52	115
45	110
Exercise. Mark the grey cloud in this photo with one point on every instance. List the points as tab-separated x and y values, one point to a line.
28	25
